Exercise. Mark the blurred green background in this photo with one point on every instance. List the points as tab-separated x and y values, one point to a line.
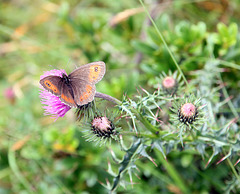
42	156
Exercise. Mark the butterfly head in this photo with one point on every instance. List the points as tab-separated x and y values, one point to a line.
65	79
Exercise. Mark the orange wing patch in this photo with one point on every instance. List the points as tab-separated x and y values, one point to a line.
69	100
50	86
86	94
94	72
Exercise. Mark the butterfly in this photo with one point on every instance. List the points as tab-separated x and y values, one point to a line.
77	88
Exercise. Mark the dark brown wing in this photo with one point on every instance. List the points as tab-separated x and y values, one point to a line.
67	95
91	73
52	84
83	92
57	87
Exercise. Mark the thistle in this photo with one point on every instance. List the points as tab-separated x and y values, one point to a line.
187	112
187	115
100	129
170	84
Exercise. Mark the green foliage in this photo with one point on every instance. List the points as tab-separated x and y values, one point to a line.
155	152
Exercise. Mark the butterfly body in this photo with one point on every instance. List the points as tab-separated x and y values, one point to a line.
77	88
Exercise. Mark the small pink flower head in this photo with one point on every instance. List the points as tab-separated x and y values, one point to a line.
100	130
102	127
170	85
52	104
187	113
169	82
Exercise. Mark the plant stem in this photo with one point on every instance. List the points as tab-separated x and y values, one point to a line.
107	97
232	167
146	123
192	134
139	135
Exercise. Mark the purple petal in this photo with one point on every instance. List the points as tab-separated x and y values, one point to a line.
55	72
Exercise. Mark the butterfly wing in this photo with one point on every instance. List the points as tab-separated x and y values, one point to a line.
67	96
57	87
52	84
91	73
83	92
83	80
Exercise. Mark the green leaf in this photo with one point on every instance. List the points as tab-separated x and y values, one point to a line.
154	36
158	145
143	47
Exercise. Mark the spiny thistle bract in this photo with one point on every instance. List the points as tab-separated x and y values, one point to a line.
86	111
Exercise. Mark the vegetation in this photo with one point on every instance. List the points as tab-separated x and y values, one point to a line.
167	120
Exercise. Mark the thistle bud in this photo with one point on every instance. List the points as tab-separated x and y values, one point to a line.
170	85
187	113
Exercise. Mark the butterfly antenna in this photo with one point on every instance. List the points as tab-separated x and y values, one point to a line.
68	62
54	67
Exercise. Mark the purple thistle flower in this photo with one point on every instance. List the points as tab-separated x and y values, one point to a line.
52	104
10	95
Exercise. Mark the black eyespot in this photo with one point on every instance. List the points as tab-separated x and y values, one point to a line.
96	69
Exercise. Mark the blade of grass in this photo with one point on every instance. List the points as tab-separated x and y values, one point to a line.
16	171
161	176
164	42
178	180
229	64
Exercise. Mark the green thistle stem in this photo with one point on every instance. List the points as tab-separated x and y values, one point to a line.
192	134
146	123
232	167
107	97
139	135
